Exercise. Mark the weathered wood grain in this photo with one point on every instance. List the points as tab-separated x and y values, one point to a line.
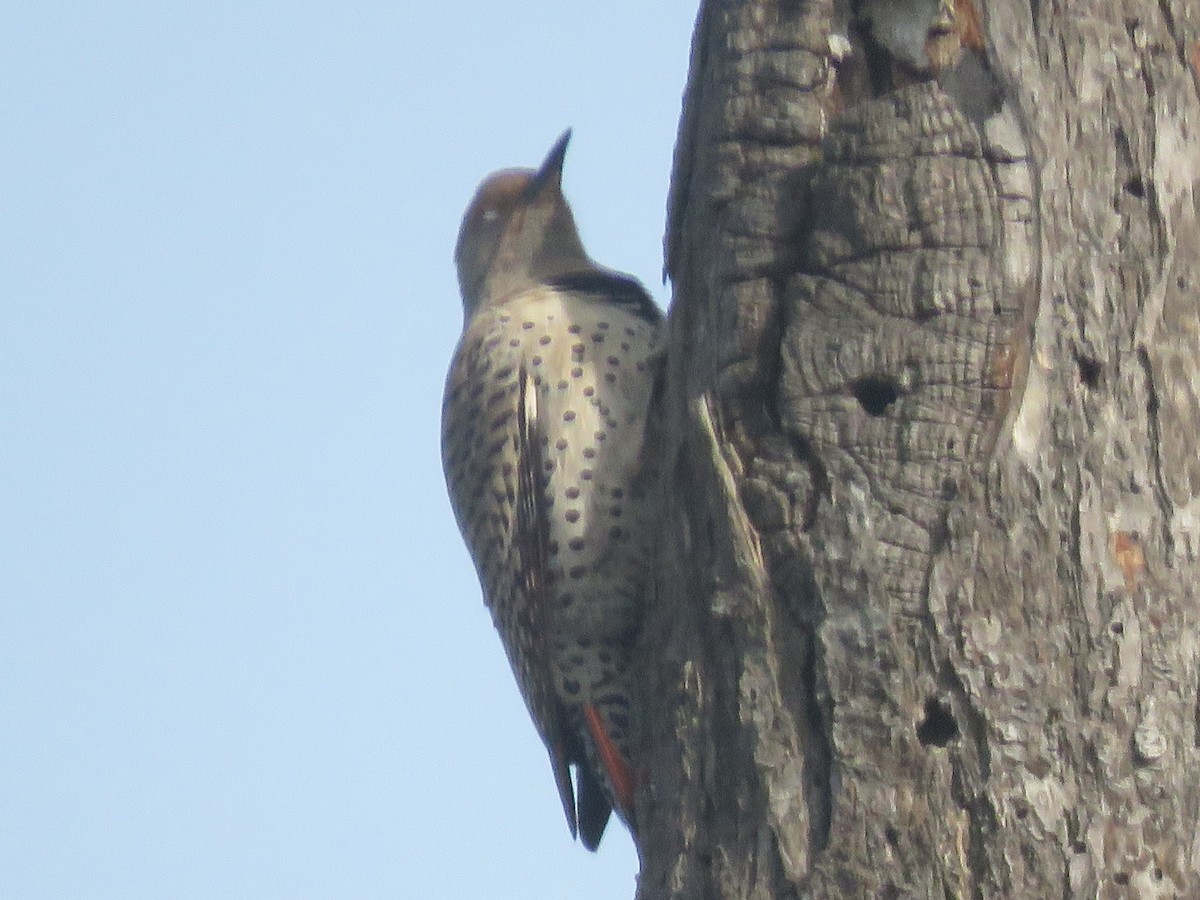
927	614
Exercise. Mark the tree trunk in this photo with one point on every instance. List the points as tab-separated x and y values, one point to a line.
927	616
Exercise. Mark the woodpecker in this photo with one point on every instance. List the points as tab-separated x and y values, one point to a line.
551	470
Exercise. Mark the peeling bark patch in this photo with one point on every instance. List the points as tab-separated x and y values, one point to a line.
1127	549
939	727
893	44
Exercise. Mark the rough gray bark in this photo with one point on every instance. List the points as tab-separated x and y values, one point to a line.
927	618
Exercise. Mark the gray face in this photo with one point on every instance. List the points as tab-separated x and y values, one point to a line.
517	229
483	229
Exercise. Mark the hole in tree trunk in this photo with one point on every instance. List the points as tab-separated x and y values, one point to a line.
1090	371
938	728
875	393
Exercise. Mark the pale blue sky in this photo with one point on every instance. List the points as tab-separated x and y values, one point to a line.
242	649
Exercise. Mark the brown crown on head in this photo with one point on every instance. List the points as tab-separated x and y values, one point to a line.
518	232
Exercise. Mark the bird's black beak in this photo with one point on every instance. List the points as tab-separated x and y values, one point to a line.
550	173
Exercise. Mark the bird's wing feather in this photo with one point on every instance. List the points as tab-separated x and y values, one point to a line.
493	452
531	542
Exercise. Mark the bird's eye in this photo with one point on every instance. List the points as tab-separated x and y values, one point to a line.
491	214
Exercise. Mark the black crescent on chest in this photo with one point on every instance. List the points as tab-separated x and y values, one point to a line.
611	288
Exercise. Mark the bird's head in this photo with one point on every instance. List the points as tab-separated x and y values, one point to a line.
517	232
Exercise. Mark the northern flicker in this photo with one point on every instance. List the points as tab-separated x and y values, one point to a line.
545	449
